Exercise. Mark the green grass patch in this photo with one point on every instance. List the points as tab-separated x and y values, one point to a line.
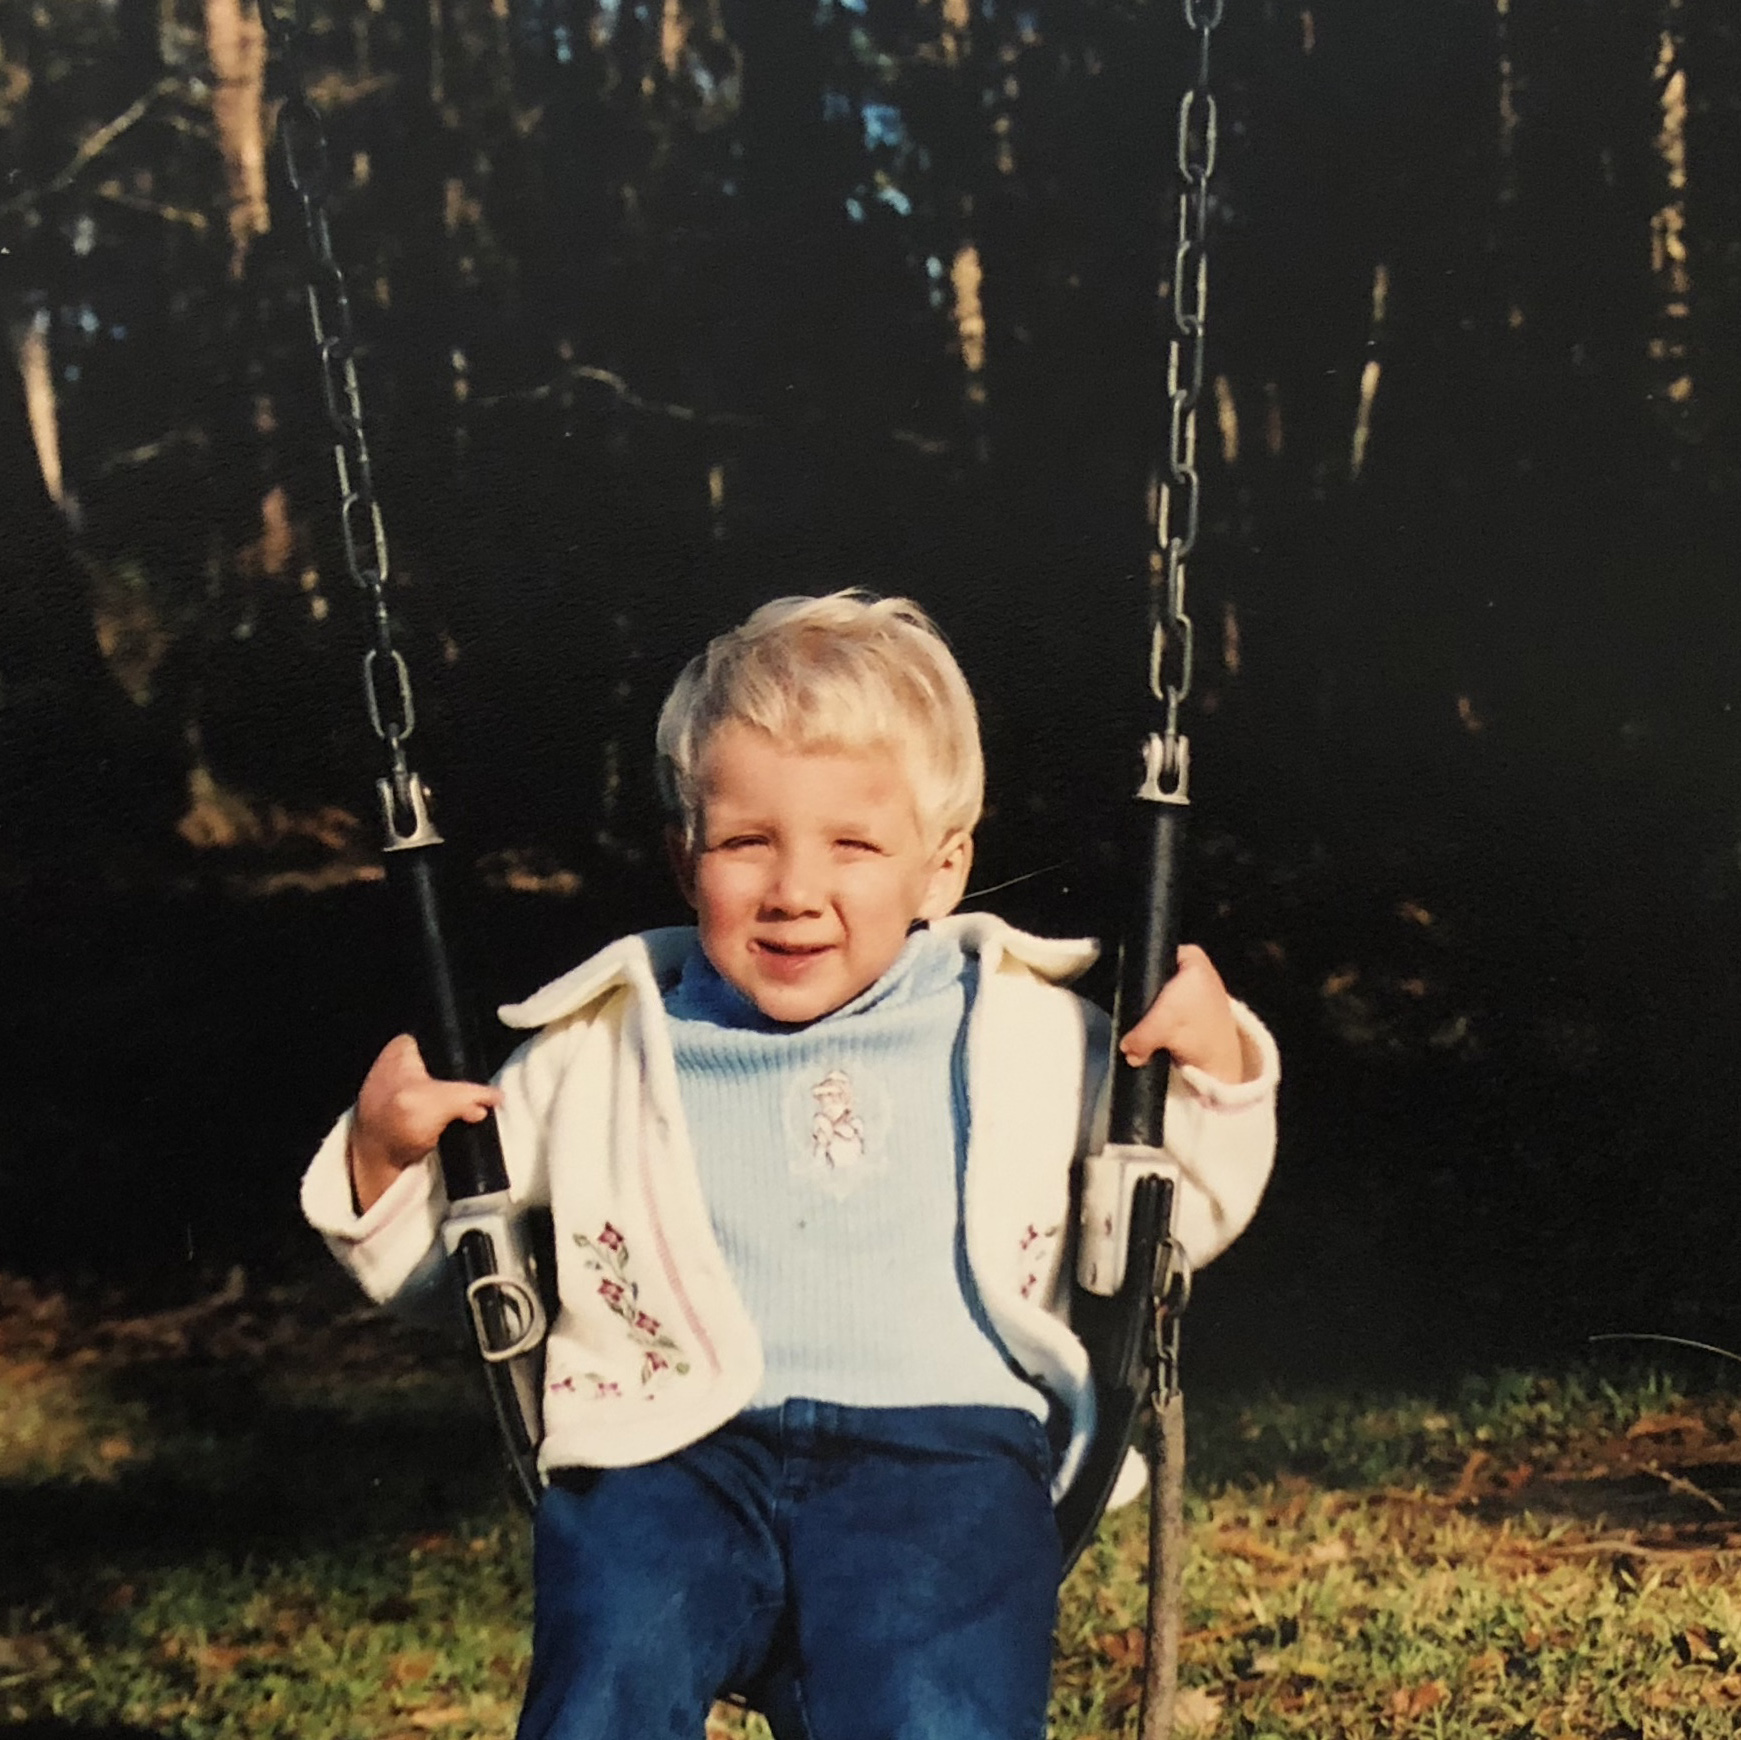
279	1515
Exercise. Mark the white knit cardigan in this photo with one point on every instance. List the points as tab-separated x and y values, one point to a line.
651	1347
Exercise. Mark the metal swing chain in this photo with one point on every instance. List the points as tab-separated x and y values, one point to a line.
1172	638
387	692
1172	641
1171	650
484	1236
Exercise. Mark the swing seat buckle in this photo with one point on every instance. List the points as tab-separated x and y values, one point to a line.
1109	1180
506	1317
500	1285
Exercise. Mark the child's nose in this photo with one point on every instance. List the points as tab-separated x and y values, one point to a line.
795	888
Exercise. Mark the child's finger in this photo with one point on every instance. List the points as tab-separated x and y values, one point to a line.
429	1107
1155	1031
480	1101
404	1079
1150	1035
1193	993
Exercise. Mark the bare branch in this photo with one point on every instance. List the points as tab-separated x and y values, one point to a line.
149	451
625	395
173	214
93	146
931	446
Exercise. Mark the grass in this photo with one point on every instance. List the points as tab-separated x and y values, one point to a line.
274	1514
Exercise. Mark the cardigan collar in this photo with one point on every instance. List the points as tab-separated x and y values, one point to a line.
654	956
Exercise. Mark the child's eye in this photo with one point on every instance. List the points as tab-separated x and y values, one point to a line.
852	845
738	842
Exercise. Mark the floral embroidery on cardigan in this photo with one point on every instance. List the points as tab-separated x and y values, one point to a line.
608	1257
1034	1255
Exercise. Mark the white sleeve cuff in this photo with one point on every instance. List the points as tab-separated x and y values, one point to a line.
1259	1049
384	1247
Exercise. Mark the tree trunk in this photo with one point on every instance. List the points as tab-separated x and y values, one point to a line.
236	42
74	753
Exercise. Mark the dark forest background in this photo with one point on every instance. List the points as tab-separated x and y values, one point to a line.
670	308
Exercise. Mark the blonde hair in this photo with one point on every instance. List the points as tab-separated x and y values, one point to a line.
849	671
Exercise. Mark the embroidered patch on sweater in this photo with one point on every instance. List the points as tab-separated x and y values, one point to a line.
837	1129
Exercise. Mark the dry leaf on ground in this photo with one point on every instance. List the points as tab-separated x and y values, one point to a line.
1196	1708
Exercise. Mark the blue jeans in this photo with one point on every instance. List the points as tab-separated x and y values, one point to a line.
859	1573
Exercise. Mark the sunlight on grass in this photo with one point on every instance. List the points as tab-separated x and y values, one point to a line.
229	1528
59	1425
1311	1612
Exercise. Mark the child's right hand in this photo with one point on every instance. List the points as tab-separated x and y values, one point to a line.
401	1111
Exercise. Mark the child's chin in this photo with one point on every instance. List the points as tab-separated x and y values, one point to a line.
795	1004
793	1011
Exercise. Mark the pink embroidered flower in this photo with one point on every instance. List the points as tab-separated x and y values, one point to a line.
607	1257
560	1384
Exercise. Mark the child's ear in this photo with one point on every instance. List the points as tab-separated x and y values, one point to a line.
948	880
682	857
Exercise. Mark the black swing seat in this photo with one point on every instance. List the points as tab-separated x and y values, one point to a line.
504	1262
1111	1311
1114	1318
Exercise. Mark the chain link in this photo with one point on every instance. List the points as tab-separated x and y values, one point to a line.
1172	644
1172	1293
307	167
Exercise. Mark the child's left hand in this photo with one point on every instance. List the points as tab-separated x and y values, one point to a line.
1192	1019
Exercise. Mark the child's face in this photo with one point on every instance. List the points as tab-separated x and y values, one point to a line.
809	869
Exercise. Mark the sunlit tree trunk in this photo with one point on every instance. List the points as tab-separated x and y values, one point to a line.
36	373
236	43
76	759
1672	384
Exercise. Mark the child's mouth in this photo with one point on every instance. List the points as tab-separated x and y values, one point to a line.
789	959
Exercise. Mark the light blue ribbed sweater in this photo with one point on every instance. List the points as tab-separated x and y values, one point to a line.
832	1157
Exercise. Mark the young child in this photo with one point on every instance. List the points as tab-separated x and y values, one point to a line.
808	1399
